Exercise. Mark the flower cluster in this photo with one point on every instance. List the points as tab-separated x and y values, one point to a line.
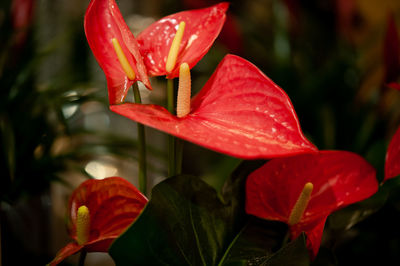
239	112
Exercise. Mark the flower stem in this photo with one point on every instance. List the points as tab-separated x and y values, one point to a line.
141	146
286	239
179	155
82	257
171	139
0	235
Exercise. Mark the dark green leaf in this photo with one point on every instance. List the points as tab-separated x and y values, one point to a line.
258	240
293	254
346	218
186	222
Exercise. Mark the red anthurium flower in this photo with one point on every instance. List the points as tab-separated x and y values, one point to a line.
104	23
202	28
392	164
303	190
231	36
239	112
105	26
99	211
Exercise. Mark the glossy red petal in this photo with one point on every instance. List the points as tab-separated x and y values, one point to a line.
103	22
313	231
65	252
392	164
202	28
239	112
113	204
340	178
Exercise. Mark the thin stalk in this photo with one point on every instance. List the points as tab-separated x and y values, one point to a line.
286	239
171	139
222	261
179	155
0	237
141	146
82	257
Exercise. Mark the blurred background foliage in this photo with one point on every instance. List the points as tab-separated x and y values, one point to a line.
334	58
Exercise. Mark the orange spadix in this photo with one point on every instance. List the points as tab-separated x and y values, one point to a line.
184	91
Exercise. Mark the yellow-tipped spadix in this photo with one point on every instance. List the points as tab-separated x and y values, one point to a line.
301	204
82	225
173	51
184	91
123	60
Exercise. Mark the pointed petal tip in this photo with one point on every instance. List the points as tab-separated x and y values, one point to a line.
62	254
223	6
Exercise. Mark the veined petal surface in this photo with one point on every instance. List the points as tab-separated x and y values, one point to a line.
103	22
202	28
239	112
340	178
113	204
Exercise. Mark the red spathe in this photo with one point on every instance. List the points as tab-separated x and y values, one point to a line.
113	205
340	178
239	112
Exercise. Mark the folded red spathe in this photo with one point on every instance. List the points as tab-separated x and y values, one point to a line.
239	112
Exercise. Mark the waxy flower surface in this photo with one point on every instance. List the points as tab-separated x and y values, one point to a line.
332	179
201	30
104	23
392	163
239	112
107	33
99	211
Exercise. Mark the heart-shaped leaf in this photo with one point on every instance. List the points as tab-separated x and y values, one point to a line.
183	223
186	222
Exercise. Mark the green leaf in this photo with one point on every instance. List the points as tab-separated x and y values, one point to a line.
256	242
294	253
346	218
186	222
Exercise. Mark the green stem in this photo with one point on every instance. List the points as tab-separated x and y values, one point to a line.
0	237
141	146
171	139
170	96
82	257
286	239
179	155
227	251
